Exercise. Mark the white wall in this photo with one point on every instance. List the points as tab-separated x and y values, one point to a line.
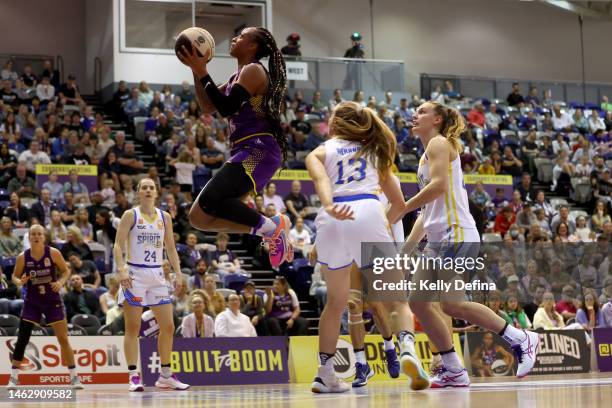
496	38
46	28
99	37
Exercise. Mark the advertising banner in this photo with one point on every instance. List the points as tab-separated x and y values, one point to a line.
559	352
603	348
220	361
88	174
408	182
297	71
303	356
99	360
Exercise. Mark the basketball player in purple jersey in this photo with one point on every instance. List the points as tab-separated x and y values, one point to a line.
38	268
251	99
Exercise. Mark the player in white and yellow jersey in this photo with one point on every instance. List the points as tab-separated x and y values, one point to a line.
348	172
451	232
142	234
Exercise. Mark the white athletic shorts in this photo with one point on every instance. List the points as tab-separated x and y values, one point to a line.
149	288
338	242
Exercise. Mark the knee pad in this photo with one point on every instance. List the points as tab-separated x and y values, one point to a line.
25	332
355	306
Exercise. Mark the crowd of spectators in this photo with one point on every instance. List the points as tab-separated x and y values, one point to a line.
46	122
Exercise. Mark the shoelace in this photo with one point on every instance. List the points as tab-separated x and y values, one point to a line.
435	371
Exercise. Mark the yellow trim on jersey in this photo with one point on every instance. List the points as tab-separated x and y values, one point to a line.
146	217
452	194
234	143
447	206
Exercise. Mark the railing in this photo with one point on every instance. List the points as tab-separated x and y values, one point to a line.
97	75
59	64
367	75
499	88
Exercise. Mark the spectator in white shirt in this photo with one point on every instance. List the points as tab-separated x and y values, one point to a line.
198	323
595	122
34	156
299	236
492	118
270	197
232	323
560	144
45	91
561	120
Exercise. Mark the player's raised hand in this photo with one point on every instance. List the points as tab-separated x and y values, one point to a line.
193	61
340	212
178	280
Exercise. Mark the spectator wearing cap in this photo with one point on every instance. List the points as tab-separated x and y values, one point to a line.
566	307
283	310
292	48
86	269
315	137
299	130
252	305
515	288
69	92
198	323
232	322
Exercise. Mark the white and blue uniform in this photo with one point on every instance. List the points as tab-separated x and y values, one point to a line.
448	217
355	182
145	254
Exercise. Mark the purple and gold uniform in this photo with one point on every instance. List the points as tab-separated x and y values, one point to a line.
252	139
40	299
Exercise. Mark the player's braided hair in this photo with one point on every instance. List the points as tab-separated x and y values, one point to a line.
266	47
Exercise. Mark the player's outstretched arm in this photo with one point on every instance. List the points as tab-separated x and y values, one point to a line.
416	235
390	185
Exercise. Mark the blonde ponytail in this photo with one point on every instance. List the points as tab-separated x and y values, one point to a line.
355	123
453	124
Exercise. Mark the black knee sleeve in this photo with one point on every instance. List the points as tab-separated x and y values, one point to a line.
231	181
23	338
221	197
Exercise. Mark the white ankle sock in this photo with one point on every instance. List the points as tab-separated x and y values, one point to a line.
360	357
389	345
451	361
267	227
513	335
